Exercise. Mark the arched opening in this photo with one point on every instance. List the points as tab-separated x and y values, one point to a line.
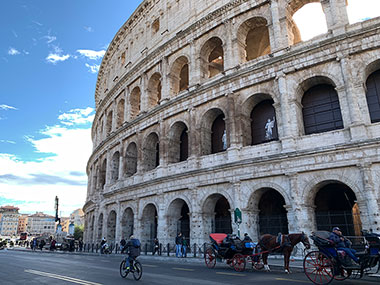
103	172
100	226
120	113
218	135
335	206
178	219
253	39
178	143
111	227
149	225
217	214
154	90
212	58
151	152
115	166
131	159
272	213
263	123
179	75
127	223
109	123
373	96
304	13
135	101
321	109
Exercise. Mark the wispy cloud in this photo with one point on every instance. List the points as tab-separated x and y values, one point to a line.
7	141
77	117
88	29
93	68
50	39
57	55
37	23
6	107
14	33
91	54
13	51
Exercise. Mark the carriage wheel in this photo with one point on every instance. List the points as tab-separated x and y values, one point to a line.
210	258
318	268
342	274
238	262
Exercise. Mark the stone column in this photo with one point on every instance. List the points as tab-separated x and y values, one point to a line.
193	134
114	115
250	223
96	223
230	59
162	221
118	223
279	34
144	97
164	142
127	105
336	15
121	161
194	66
165	81
371	200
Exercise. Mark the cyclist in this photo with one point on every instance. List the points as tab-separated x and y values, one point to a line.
133	247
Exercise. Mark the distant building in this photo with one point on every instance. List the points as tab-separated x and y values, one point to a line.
8	220
77	217
65	222
22	223
41	224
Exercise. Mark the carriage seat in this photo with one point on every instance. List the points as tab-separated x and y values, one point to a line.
218	238
321	239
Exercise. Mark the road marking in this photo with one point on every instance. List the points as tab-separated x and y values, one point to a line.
61	277
149	265
183	269
292	280
232	274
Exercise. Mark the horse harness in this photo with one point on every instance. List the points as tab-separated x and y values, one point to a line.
282	241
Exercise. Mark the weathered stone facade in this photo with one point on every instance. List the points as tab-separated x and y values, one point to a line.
178	95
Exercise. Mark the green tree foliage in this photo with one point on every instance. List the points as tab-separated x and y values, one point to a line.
78	232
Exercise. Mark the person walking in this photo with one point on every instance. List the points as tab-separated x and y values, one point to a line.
80	244
156	246
184	247
178	245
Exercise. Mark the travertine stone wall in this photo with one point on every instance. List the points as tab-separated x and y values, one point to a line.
143	55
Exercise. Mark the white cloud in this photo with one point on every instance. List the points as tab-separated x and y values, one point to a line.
13	51
6	107
77	117
7	141
54	58
88	29
33	185
92	54
50	39
93	68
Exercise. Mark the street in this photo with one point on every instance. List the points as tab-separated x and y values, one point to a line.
21	267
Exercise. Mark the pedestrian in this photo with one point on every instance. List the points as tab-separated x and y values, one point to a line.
42	243
80	244
184	247
123	243
102	245
178	245
156	246
52	244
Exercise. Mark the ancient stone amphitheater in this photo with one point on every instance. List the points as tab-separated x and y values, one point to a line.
204	107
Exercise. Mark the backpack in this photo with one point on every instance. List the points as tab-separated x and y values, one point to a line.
136	243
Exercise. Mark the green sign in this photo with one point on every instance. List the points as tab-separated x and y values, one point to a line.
237	216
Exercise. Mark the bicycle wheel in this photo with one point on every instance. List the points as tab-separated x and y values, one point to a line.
137	270
123	269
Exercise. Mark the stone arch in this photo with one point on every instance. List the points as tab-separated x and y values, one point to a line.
100	226
115	165
251	122
179	75
120	113
135	102
131	159
154	90
212	58
373	92
214	137
149	223
253	39
216	211
178	219
103	172
109	123
111	227
92	228
369	69
151	152
127	223
270	205
178	142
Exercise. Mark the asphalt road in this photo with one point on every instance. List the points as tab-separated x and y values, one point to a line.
18	267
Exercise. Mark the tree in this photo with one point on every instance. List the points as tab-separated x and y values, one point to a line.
78	232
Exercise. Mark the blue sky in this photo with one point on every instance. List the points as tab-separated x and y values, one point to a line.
50	52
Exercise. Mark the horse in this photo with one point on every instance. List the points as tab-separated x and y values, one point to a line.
281	243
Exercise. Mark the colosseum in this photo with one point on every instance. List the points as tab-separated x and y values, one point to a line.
205	107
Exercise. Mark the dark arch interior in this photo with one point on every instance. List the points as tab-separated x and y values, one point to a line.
260	115
272	216
222	216
184	146
373	96
217	131
184	222
336	207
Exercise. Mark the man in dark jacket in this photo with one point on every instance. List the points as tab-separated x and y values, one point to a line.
122	245
133	250
178	245
341	243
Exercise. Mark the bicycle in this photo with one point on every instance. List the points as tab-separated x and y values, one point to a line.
135	268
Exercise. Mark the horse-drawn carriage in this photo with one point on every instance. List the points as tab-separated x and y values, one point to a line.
329	263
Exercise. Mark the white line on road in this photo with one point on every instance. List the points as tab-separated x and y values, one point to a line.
232	274
150	265
183	269
61	277
292	280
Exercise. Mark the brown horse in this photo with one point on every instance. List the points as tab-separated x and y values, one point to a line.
283	244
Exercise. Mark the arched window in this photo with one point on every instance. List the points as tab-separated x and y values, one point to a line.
218	135
212	57
151	152
321	109
135	101
103	172
179	75
115	166
109	123
120	114
184	146
263	123
154	90
373	96
178	143
131	159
